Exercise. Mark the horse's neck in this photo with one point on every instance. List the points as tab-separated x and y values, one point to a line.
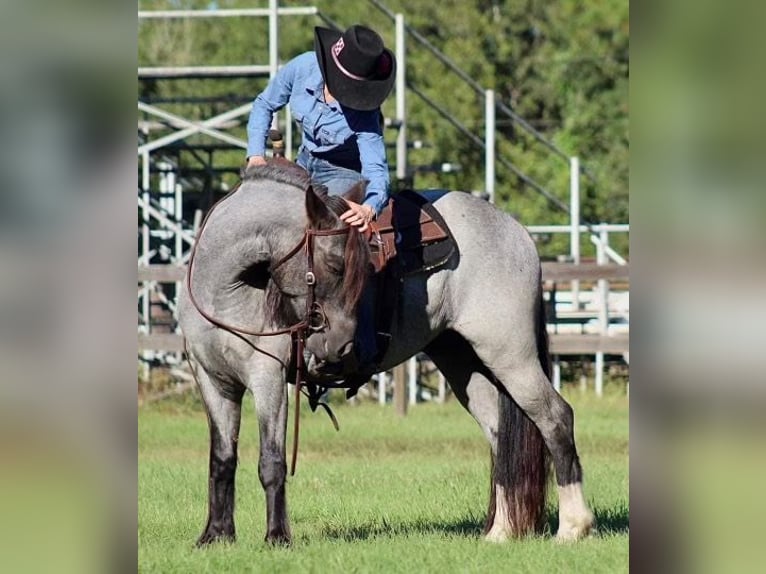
248	229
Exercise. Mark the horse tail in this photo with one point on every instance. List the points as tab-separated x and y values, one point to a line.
522	464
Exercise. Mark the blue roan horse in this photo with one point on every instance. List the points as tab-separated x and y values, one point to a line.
479	318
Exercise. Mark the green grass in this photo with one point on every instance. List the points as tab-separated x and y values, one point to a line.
383	495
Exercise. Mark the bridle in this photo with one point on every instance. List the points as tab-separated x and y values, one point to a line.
315	319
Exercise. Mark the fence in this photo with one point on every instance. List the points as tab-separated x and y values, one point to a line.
165	235
604	341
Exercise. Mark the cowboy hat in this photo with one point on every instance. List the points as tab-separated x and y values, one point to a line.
358	69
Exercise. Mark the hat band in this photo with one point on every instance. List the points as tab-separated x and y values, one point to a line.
340	66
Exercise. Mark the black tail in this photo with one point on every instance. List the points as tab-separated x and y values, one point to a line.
522	464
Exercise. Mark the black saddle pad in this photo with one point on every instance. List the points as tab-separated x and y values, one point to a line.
414	252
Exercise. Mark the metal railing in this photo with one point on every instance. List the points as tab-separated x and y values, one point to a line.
212	127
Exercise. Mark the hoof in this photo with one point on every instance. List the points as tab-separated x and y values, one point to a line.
575	518
209	538
573	530
278	539
496	535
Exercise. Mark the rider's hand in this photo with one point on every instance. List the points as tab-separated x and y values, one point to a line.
358	215
256	160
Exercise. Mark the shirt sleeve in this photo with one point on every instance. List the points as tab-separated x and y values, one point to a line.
372	154
272	99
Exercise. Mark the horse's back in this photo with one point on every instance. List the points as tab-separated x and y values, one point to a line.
487	236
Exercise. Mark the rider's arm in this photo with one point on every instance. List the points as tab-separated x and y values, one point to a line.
273	98
372	153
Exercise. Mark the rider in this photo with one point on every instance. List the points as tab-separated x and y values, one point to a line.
335	93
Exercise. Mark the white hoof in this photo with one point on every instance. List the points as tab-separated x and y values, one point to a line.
575	519
571	530
497	535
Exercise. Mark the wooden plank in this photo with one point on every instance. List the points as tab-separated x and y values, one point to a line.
160	342
560	344
588	344
161	273
554	271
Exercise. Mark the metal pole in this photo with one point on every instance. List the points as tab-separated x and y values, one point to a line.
179	245
273	47
557	373
574	208
400	397
204	127
603	313
145	183
225	13
412	379
179	215
165	222
382	388
401	110
489	141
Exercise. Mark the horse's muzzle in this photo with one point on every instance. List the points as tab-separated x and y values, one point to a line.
327	369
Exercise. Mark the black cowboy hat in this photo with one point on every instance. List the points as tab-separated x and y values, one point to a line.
358	69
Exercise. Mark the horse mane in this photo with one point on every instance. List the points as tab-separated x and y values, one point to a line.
357	268
356	256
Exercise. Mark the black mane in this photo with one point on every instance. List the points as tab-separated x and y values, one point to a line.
336	203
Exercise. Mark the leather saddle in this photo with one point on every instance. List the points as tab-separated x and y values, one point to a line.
410	234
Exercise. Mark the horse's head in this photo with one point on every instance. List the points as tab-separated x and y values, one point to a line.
335	268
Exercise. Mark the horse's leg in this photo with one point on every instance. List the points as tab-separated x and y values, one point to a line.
223	414
525	379
470	382
270	392
531	389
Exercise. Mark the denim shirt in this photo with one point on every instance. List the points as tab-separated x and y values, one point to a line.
345	137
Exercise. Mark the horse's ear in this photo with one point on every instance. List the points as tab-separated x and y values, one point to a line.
320	216
357	192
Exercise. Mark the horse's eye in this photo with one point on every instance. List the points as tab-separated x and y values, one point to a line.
335	268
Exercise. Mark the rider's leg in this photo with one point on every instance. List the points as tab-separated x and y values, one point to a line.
365	341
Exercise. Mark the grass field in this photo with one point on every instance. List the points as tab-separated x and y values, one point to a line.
382	495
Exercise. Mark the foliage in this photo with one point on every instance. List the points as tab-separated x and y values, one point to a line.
562	66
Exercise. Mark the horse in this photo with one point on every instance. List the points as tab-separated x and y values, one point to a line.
273	259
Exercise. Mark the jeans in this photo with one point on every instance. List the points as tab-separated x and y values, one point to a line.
338	180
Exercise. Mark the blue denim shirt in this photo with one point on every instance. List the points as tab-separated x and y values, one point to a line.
345	137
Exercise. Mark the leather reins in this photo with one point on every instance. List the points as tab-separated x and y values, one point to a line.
315	319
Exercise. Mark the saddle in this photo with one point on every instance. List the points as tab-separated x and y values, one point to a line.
410	236
412	232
